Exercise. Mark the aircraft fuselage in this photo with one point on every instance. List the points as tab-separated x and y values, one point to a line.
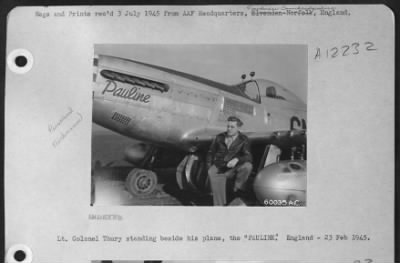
169	108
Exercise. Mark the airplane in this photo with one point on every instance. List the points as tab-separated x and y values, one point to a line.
176	115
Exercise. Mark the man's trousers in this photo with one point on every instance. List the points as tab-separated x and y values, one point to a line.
218	181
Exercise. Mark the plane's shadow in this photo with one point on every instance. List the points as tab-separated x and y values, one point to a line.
188	198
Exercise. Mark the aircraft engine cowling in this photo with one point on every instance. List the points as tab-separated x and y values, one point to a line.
136	153
282	184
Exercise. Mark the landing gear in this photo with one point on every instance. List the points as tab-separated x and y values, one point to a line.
191	174
141	182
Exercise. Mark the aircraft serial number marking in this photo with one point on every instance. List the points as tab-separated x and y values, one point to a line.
132	94
295	123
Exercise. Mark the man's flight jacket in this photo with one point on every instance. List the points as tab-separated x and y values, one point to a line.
220	155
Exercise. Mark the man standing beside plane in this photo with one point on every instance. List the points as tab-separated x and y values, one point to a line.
229	157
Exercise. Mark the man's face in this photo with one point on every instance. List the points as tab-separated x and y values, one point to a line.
232	128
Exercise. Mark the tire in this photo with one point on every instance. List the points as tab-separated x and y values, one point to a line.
191	174
180	173
141	182
200	176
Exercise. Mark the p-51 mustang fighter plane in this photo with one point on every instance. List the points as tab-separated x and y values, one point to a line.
177	115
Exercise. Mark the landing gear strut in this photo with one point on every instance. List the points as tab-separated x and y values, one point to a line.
191	174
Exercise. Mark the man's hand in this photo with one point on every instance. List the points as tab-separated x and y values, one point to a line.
232	163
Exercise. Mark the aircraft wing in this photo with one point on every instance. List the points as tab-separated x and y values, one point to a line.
283	139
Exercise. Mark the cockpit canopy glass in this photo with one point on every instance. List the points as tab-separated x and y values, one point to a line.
250	89
272	90
258	89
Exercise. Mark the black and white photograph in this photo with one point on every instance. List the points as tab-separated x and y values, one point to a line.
199	125
199	134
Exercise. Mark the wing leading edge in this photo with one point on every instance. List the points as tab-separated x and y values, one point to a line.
283	139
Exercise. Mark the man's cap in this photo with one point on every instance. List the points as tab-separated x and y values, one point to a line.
236	119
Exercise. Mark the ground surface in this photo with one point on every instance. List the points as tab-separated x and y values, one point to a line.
109	189
109	171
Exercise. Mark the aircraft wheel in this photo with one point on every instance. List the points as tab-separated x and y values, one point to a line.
191	174
200	176
141	182
180	173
